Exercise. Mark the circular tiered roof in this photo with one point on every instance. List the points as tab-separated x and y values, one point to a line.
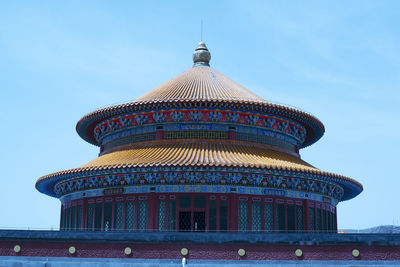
199	87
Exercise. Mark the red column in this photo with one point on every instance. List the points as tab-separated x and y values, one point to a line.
233	216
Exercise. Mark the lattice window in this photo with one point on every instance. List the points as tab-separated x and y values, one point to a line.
131	139
334	222
256	216
299	218
212	216
223	216
97	216
172	215
73	214
185	221
161	215
89	218
268	217
329	215
199	201
118	213
319	220
199	221
333	230
79	217
243	216
185	201
312	219
67	218
63	215
195	134
290	218
107	216
280	217
142	215
268	140
129	216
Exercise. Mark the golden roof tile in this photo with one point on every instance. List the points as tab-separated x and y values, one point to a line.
200	83
198	153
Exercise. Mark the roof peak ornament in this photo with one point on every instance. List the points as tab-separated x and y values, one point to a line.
201	56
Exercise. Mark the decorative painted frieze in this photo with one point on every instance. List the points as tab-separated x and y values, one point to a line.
199	177
276	124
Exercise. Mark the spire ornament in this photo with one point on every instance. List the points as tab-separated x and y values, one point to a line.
201	56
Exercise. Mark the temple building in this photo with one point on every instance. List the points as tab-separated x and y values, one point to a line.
199	171
199	153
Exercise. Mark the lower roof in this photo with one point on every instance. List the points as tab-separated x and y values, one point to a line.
199	154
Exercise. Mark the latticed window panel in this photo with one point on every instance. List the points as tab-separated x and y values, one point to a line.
142	215
97	216
223	216
129	216
161	215
212	216
280	218
67	218
63	214
329	223
89	218
73	214
243	216
333	230
256	216
131	139
199	218
185	221
318	220
328	227
118	214
263	139
171	216
299	219
268	217
334	222
312	219
107	216
290	218
79	217
195	134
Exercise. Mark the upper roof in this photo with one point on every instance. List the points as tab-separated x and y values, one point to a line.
201	84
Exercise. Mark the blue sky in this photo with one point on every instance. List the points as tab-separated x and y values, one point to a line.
339	60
